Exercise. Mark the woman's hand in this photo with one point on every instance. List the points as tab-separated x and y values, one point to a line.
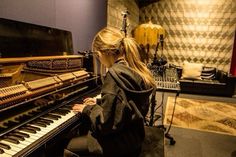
89	101
80	107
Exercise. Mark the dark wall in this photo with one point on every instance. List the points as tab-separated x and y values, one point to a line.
83	18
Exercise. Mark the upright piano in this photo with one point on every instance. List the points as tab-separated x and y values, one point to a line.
40	80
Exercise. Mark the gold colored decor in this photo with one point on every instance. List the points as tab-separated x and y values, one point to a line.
148	36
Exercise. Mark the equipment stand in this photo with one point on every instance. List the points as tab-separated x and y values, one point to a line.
167	134
166	80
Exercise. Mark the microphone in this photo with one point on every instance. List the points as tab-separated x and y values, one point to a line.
124	22
125	12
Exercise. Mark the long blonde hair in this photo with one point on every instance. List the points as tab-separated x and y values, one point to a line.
113	40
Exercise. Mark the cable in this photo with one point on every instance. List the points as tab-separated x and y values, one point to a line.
173	112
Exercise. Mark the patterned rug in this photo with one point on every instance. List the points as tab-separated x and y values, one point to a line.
211	116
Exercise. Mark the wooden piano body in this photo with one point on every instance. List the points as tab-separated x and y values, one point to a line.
36	96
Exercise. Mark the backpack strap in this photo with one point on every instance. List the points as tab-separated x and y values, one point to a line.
138	114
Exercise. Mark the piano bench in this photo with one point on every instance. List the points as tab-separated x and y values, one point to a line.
153	144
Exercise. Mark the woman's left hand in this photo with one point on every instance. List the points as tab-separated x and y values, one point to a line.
78	107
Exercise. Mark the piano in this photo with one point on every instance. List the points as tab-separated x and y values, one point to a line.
37	90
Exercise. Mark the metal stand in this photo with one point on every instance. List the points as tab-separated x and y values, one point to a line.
167	134
166	80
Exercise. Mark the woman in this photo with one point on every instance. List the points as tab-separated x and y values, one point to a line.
117	120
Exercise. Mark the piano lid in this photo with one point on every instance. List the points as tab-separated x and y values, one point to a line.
20	39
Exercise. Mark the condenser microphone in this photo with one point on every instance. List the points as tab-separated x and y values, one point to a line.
125	12
124	22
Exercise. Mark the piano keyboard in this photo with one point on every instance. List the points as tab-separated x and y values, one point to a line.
30	134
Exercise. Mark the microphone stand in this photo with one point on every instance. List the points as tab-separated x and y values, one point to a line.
159	64
155	61
124	22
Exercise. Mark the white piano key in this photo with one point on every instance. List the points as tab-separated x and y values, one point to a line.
26	143
32	136
43	129
5	155
21	146
10	152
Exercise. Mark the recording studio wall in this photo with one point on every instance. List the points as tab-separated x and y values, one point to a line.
199	31
84	18
114	14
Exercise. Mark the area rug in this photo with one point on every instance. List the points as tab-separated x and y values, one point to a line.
211	116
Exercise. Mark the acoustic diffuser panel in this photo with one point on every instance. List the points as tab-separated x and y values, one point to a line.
200	31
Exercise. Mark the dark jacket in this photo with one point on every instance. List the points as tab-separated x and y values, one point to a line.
123	106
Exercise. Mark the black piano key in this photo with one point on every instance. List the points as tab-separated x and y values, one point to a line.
59	112
1	151
20	134
12	140
28	130
4	146
57	116
64	110
50	116
15	137
39	124
33	128
45	120
21	138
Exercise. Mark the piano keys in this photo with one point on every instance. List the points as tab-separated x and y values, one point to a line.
32	133
44	117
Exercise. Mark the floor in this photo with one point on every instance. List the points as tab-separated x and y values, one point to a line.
193	143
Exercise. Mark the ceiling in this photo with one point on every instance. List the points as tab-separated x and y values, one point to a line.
145	2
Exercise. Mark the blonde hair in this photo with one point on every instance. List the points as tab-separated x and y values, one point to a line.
112	40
